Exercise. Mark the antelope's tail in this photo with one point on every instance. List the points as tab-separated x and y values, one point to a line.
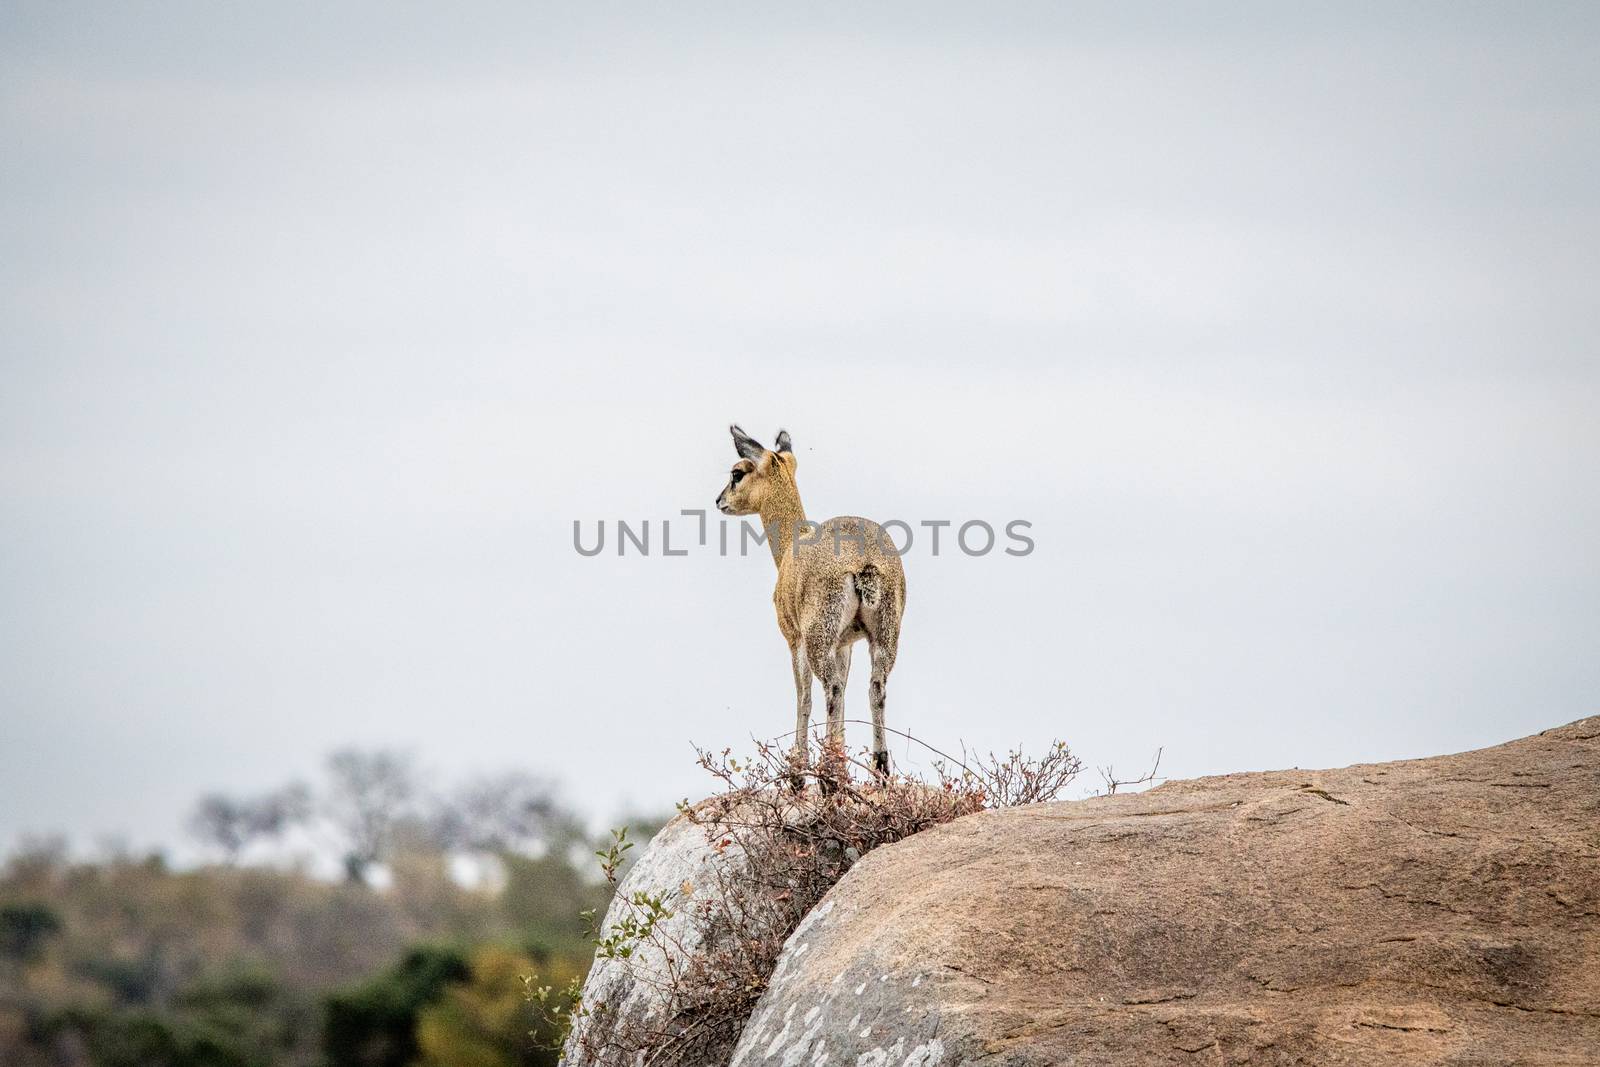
869	585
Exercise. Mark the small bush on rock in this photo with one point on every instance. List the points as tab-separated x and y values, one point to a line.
786	835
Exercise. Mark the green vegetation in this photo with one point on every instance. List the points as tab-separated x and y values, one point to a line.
127	962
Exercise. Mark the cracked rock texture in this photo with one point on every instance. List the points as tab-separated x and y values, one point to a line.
1433	911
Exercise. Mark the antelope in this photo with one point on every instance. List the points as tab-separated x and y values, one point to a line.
838	582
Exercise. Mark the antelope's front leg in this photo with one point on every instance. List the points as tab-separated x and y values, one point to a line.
799	756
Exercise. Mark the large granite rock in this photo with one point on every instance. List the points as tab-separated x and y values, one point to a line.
1434	911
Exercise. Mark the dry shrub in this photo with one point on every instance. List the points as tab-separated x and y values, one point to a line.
788	835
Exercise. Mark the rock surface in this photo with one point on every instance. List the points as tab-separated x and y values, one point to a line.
1434	911
628	995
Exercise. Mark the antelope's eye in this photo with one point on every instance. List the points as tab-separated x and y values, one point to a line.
736	476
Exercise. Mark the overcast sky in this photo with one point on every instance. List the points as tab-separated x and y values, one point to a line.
321	323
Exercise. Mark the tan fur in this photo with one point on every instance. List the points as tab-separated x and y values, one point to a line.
837	584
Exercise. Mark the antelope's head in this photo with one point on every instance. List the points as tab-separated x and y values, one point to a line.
759	472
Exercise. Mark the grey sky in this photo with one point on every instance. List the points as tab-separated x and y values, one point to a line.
321	323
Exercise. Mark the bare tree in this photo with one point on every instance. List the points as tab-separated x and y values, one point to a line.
368	793
219	821
509	812
232	824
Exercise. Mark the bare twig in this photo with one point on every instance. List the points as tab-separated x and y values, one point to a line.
1108	775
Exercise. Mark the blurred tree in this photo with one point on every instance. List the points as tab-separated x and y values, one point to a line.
375	1024
231	824
508	812
24	929
37	865
369	793
238	1018
488	1022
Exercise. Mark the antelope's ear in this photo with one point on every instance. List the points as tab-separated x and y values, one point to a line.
747	447
784	444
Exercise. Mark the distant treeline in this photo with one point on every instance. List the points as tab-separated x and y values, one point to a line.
127	962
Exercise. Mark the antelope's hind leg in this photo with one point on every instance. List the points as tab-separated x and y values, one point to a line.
836	612
841	658
883	639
